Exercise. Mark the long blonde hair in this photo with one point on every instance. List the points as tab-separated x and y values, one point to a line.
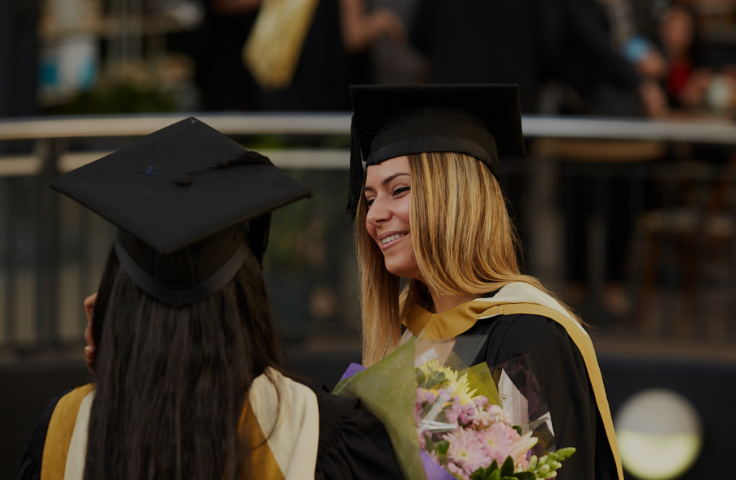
463	239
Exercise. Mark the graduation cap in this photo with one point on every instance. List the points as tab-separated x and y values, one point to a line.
188	203
480	120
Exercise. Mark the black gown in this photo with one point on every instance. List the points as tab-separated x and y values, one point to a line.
560	371
353	444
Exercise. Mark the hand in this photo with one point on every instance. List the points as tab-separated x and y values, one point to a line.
695	92
653	99
388	24
652	64
89	350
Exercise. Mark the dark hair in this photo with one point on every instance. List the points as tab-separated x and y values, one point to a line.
171	383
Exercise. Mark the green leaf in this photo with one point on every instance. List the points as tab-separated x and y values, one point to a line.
436	379
420	377
495	474
524	476
478	474
442	447
429	442
507	469
518	429
493	466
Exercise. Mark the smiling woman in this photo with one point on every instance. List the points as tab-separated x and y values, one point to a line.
430	210
388	199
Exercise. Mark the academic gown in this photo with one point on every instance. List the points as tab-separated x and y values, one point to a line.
349	442
554	359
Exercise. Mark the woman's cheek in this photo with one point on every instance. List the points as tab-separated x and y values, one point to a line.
371	231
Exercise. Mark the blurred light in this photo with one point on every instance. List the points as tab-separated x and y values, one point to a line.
659	434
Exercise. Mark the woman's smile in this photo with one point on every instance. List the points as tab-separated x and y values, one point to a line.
389	239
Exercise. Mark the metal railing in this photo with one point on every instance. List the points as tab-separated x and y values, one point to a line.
51	251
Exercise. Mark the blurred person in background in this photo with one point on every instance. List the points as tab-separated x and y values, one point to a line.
284	55
224	82
599	65
624	37
314	71
688	82
397	63
530	42
18	57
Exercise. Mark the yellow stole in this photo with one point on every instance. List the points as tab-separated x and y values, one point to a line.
518	298
287	452
59	434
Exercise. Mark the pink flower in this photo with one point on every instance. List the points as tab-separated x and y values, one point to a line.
499	414
457	472
467	413
430	397
480	401
453	412
498	439
467	450
418	406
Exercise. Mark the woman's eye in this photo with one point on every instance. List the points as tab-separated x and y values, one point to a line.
401	190
369	202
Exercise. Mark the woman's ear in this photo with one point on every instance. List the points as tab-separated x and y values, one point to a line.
89	350
89	305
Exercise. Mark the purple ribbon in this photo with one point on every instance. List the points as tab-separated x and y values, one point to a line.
352	370
434	471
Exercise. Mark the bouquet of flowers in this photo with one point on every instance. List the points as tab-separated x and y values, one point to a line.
448	422
468	435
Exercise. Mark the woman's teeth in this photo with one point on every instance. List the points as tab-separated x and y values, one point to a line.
392	238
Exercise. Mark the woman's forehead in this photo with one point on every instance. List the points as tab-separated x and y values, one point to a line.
386	169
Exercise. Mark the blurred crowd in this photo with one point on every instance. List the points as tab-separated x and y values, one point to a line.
569	56
619	57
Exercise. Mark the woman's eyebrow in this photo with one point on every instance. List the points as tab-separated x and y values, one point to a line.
388	179
385	181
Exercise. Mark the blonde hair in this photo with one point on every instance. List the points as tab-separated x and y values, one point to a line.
447	190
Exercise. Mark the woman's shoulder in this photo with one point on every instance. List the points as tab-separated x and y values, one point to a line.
353	443
517	335
30	466
526	324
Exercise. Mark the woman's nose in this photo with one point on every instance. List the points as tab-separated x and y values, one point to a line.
378	213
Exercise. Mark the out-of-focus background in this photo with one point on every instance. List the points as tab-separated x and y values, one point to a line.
625	201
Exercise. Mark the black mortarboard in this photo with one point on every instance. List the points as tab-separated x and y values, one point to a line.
483	121
186	201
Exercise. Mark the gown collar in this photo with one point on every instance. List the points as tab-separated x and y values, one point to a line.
458	320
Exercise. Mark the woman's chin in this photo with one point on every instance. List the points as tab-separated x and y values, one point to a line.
403	271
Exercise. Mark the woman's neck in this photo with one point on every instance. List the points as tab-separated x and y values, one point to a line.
443	303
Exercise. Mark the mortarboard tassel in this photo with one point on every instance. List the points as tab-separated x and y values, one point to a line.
356	171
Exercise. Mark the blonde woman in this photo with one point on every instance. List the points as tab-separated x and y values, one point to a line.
429	209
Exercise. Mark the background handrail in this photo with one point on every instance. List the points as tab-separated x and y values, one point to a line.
701	131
